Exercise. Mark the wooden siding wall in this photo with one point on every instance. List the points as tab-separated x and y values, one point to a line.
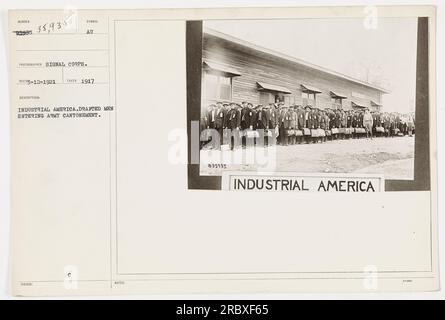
257	66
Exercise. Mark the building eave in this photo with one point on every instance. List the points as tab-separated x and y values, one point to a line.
258	48
272	87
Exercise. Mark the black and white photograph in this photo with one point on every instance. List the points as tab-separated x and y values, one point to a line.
309	95
235	151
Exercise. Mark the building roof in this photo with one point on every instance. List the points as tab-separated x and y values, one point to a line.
272	87
375	103
338	95
220	68
356	104
311	89
289	58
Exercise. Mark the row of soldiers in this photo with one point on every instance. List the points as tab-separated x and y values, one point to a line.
298	124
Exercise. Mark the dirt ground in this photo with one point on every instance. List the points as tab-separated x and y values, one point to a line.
392	157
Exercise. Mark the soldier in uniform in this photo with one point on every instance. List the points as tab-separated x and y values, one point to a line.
328	123
343	123
300	123
331	119
316	123
226	108
349	123
397	121
261	121
280	113
410	124
403	125
217	119
348	119
293	124
259	118
209	117
354	124
251	117
374	122
310	123
232	125
387	124
256	112
246	121
286	123
360	119
368	123
273	120
244	111
281	116
392	121
204	124
239	109
379	121
336	123
265	119
323	124
307	123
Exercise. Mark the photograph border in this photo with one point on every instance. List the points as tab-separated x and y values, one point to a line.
422	165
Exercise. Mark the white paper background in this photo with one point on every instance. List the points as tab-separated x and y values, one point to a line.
4	120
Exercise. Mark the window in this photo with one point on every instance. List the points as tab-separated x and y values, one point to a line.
308	95
217	86
337	102
265	98
225	87
289	100
269	97
279	98
211	86
309	98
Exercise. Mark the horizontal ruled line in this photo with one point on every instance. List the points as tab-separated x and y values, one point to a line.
235	279
55	67
74	83
81	50
66	34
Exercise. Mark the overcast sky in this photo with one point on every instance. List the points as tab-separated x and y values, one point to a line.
385	56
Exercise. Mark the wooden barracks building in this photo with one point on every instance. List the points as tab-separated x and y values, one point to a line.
236	70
